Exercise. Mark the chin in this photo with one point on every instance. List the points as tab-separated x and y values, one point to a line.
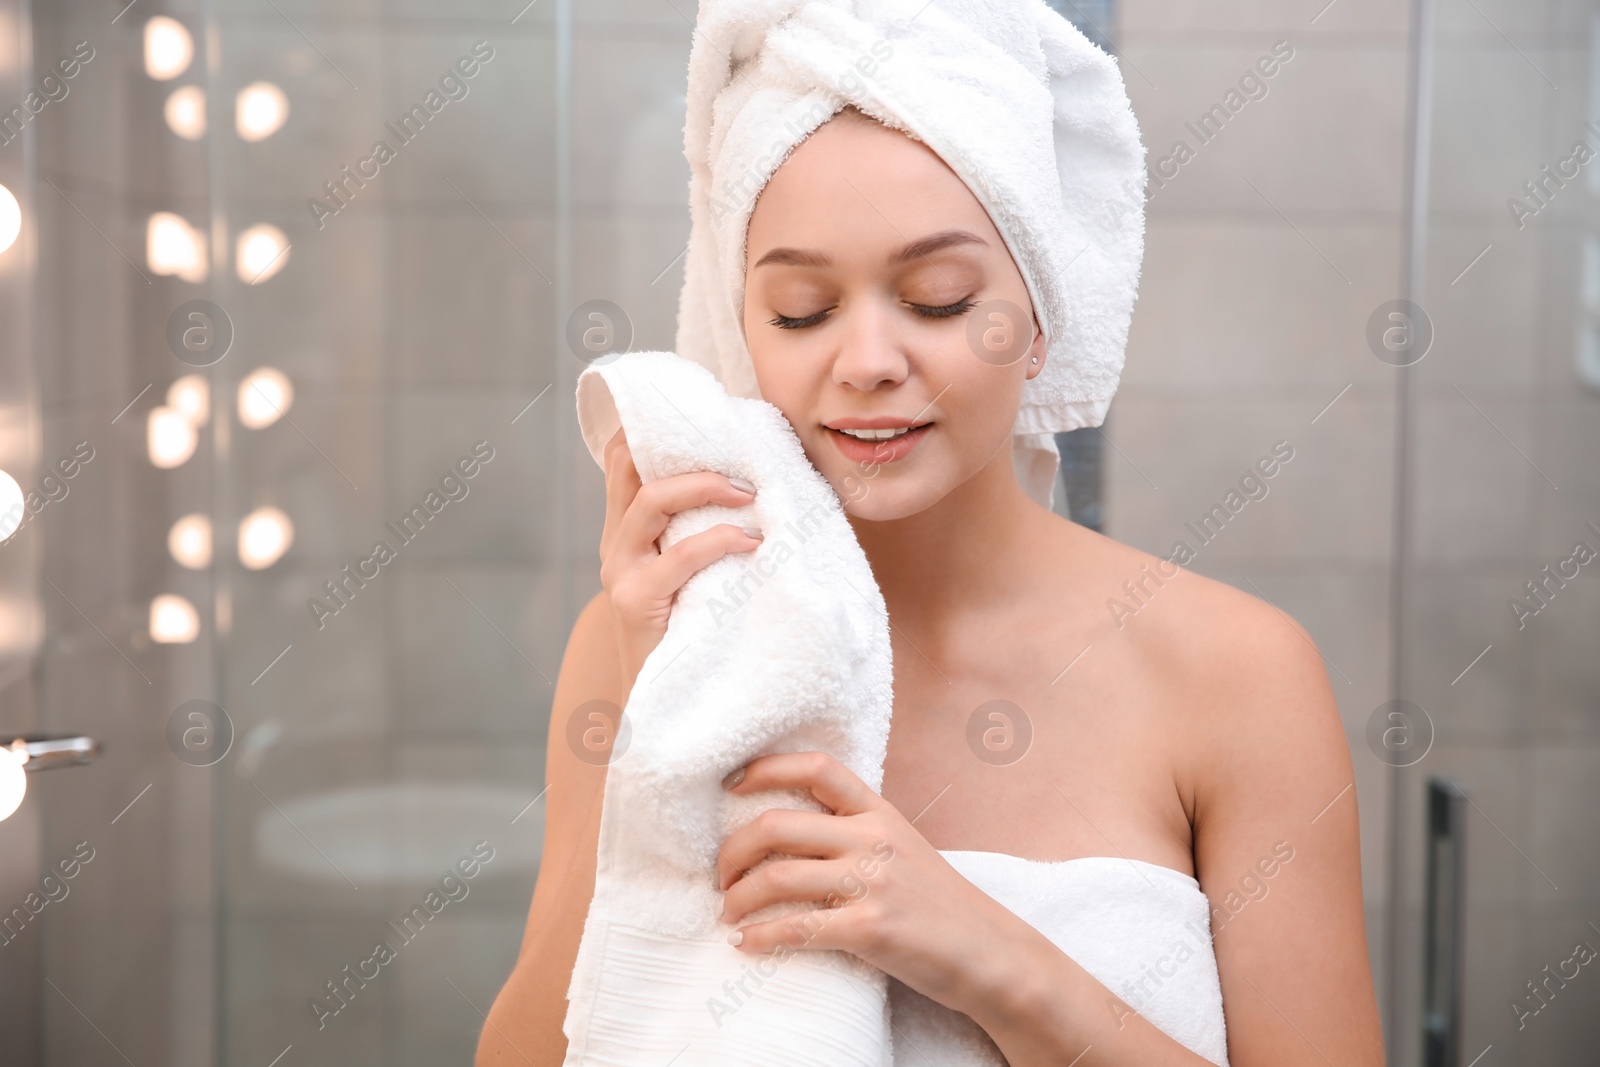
882	500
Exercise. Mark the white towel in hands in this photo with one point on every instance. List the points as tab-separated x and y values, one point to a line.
785	649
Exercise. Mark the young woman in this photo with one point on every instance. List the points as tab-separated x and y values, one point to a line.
1198	735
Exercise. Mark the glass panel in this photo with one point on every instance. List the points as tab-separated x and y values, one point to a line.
1503	614
390	677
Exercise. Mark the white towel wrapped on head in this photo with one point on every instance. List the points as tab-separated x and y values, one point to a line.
1030	114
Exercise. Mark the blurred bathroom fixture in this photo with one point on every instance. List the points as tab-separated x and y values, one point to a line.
26	755
173	620
11	505
264	536
189	541
13	778
171	437
263	396
10	218
1588	355
168	48
254	746
356	824
260	111
262	251
174	247
185	112
191	395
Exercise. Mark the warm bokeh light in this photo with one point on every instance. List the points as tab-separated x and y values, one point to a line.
171	436
264	396
173	620
13	780
10	218
191	395
189	541
262	251
172	246
168	48
264	536
260	111
185	112
11	505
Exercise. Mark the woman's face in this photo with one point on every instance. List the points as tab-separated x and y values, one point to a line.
879	296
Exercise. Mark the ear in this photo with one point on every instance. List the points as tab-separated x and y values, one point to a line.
1036	351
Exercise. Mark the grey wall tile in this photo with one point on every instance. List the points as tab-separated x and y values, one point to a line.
1196	454
1231	304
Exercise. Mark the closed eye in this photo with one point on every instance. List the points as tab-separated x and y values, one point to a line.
784	322
960	307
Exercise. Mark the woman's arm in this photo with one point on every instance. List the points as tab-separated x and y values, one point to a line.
1266	764
1278	851
614	634
524	1025
889	898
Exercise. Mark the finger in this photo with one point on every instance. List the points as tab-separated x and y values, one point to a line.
622	484
654	504
824	883
846	929
833	784
694	553
796	833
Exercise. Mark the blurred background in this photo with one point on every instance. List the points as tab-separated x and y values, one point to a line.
237	348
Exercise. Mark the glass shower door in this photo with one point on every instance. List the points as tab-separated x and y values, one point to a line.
389	678
1502	602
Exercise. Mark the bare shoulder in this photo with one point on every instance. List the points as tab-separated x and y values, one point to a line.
1262	764
1242	682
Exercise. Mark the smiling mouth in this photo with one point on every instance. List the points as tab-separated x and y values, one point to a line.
880	435
878	446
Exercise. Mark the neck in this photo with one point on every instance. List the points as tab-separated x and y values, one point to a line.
970	548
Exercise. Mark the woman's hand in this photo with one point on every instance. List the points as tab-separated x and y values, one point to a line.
640	580
889	898
884	893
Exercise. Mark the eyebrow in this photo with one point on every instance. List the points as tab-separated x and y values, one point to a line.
800	257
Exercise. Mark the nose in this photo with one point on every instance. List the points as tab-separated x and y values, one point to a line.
870	353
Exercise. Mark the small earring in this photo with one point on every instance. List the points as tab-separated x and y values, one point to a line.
1036	359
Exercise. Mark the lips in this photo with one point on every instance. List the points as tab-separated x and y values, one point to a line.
878	452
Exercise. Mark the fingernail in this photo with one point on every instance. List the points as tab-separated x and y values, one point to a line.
736	938
734	778
754	531
742	485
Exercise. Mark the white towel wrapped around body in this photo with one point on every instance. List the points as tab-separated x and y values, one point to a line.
785	649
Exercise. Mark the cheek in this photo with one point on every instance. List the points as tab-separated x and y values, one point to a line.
981	405
784	379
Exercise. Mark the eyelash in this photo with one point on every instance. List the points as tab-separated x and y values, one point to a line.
960	307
